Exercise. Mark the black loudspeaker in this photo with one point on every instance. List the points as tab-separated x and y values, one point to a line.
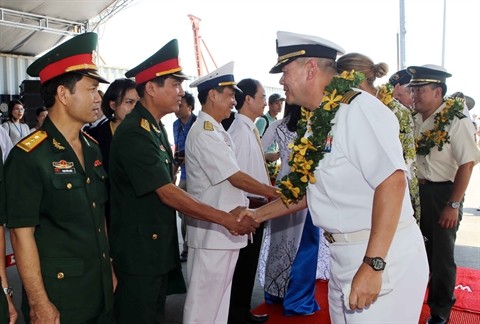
30	87
31	102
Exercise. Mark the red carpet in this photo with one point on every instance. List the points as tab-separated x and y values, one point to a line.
465	311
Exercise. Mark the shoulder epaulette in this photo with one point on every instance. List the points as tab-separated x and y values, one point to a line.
90	137
208	126
145	124
32	141
349	96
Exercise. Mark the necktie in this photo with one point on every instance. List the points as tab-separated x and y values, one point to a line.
259	142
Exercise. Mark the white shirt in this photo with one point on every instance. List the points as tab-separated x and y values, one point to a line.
365	151
248	152
210	161
16	131
439	166
5	143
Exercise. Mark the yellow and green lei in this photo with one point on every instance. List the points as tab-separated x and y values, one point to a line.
438	136
307	152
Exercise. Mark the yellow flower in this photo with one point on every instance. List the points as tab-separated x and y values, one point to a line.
348	75
331	101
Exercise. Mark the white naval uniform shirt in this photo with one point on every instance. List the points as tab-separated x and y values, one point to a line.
247	150
439	166
5	143
210	161
365	151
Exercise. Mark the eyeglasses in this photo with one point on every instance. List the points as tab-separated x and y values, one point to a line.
18	109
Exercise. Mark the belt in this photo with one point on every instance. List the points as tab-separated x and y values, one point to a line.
425	181
255	202
359	236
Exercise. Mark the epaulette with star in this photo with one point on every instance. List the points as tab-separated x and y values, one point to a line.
145	124
349	96
208	126
90	137
32	141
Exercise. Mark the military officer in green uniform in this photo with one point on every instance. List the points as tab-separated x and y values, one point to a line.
143	231
56	192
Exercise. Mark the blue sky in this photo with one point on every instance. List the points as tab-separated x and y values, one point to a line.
245	32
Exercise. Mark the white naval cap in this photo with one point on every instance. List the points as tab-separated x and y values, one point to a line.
221	77
291	46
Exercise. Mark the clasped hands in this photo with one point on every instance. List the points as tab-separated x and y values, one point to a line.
245	222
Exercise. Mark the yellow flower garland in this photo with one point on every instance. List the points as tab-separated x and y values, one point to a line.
438	136
307	152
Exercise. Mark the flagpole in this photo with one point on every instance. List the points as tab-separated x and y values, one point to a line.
444	29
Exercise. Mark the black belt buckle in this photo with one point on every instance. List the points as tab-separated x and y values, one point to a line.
329	237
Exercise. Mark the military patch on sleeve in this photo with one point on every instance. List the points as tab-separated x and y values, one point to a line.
32	141
90	137
145	124
208	126
349	96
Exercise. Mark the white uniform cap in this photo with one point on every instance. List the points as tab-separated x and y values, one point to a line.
291	46
221	77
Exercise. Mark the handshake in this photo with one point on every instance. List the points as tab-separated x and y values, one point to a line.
243	221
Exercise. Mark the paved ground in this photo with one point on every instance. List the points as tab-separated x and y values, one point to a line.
467	253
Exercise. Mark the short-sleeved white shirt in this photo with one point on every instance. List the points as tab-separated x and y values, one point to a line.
248	151
365	151
442	165
210	161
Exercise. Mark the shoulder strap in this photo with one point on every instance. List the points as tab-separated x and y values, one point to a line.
266	126
349	96
32	141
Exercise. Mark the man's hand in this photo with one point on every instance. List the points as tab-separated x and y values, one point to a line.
448	217
366	285
243	224
272	156
45	313
12	312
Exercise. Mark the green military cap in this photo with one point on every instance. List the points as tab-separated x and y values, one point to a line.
426	74
75	55
163	62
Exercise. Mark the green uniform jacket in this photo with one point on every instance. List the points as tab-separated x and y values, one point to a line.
48	189
143	230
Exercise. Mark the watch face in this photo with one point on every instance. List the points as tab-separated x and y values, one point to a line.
378	264
455	204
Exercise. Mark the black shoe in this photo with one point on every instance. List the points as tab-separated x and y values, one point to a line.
183	256
252	318
437	319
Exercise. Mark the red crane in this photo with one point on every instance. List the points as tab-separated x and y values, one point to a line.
197	39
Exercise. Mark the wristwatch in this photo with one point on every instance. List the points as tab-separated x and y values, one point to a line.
8	291
454	204
377	263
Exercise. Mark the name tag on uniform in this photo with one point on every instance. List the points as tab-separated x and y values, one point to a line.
63	167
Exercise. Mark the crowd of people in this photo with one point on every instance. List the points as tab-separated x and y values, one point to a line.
369	191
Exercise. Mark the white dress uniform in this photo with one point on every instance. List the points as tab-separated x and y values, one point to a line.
365	151
213	251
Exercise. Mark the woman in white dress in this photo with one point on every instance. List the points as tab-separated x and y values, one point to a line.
291	242
15	125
